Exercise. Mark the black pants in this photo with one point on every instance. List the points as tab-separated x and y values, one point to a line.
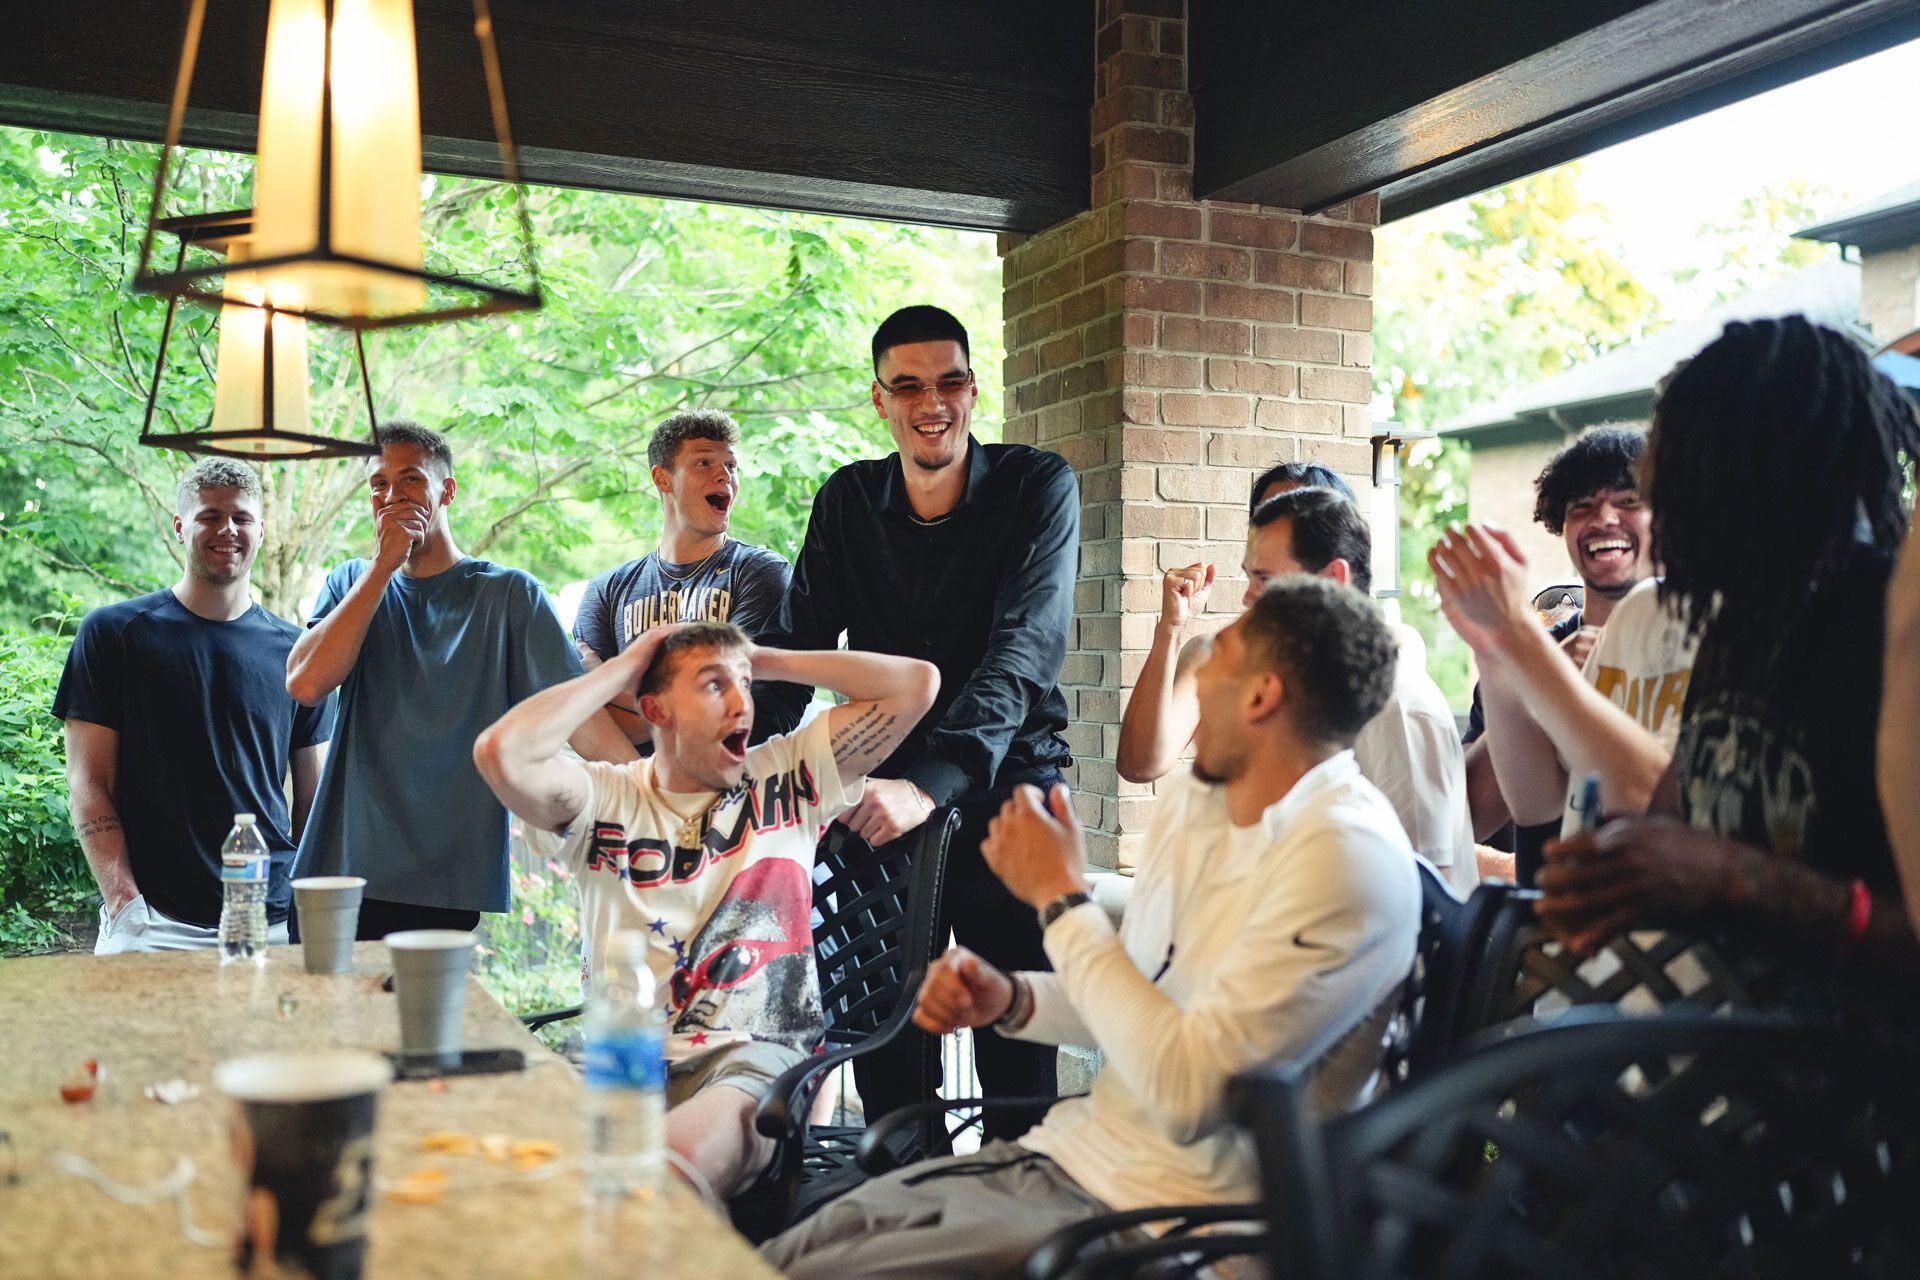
378	919
1001	929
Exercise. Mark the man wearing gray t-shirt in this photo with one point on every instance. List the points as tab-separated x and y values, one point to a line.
697	573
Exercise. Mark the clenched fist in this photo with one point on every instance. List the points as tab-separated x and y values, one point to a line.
961	990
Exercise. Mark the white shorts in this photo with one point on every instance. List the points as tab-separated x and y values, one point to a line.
139	927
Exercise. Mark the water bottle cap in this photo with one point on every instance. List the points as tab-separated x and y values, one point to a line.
243	819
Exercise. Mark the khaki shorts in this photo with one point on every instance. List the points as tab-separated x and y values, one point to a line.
751	1067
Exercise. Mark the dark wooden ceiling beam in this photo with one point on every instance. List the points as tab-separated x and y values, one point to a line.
1429	100
964	112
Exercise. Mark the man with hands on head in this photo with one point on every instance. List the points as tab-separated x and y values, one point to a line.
706	849
1275	910
427	646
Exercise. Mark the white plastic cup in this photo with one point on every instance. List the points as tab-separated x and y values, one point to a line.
329	911
430	981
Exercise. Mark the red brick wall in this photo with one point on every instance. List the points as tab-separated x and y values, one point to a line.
1172	349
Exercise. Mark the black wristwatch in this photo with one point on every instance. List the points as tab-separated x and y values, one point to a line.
1060	906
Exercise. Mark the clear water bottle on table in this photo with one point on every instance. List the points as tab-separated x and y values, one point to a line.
245	865
626	1075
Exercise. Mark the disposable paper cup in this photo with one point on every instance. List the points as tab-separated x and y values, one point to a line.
329	911
430	979
303	1135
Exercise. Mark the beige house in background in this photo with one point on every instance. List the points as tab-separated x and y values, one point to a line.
1872	290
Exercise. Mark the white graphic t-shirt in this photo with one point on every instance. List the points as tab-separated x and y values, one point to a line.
1642	663
729	924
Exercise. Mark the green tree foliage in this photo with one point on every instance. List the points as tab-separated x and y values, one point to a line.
1476	300
652	305
1753	244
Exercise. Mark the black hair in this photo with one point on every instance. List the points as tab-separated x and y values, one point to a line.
1772	405
1308	475
694	424
1325	527
406	431
918	324
1603	459
695	635
1332	648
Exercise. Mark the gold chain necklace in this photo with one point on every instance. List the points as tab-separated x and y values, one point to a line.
660	565
691	828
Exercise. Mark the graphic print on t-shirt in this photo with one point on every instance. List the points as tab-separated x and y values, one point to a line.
1742	780
727	920
674	604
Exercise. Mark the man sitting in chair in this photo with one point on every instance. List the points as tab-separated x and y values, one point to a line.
707	849
1277	907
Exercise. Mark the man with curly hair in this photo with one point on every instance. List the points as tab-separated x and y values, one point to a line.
1587	496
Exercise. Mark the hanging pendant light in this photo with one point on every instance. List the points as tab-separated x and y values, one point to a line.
261	405
337	181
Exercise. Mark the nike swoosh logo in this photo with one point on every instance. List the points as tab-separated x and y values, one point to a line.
1300	940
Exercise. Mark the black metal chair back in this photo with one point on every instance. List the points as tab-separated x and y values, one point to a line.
1605	1148
1418	1023
876	911
876	915
1521	975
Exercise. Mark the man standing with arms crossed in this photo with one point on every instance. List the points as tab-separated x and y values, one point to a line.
962	554
176	720
428	646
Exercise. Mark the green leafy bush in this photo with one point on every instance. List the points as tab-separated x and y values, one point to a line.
530	957
43	874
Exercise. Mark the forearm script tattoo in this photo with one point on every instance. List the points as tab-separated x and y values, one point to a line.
864	735
95	826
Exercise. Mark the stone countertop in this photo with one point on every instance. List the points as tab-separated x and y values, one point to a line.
148	1018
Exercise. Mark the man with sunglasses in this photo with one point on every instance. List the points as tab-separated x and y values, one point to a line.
706	849
963	554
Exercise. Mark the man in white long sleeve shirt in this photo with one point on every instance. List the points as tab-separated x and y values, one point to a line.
1276	909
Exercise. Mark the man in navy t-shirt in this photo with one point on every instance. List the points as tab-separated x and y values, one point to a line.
427	646
696	573
177	719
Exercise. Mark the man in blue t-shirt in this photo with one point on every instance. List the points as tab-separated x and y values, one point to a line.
428	647
696	573
178	718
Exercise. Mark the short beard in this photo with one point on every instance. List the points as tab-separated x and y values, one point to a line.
1611	593
206	574
1206	776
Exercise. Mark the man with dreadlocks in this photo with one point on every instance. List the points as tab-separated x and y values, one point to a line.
1768	815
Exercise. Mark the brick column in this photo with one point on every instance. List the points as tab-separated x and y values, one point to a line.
1171	349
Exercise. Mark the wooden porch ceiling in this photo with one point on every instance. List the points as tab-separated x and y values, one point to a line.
975	112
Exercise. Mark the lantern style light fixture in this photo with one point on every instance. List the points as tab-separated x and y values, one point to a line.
260	388
336	228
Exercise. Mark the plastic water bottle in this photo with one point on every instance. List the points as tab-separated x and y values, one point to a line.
626	1075
244	868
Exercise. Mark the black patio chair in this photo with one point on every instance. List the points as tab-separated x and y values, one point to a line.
878	912
1418	1025
1521	976
1605	1147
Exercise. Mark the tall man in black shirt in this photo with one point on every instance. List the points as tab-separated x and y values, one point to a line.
963	554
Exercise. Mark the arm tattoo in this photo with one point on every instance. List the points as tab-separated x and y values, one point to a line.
95	826
863	735
567	798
